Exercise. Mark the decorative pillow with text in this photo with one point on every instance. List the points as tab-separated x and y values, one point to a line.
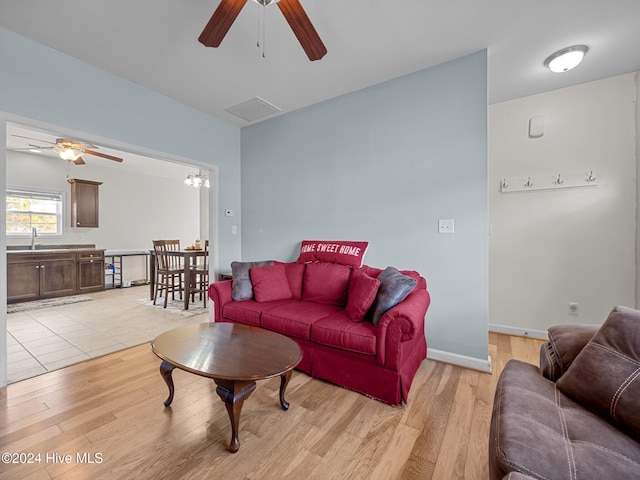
333	251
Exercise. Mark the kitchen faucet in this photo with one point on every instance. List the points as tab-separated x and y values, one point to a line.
34	234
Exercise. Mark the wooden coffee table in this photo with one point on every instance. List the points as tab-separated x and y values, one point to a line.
233	355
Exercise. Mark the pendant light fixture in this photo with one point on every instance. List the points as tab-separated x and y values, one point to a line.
197	180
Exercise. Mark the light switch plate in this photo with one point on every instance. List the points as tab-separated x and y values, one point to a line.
445	225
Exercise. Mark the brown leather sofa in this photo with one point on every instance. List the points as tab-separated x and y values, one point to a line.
578	416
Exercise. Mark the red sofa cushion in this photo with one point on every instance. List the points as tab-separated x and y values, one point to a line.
340	331
270	283
326	283
295	274
295	318
247	312
362	292
334	251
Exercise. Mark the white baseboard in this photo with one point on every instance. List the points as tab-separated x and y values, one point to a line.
460	360
523	332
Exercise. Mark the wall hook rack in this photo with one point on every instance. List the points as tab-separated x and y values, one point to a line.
549	182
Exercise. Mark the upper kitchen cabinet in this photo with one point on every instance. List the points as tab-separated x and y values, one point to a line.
84	203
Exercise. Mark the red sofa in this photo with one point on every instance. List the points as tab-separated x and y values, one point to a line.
336	314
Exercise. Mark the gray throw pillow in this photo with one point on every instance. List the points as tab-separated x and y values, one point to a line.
241	288
394	288
605	375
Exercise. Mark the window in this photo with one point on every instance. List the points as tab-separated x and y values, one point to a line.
31	208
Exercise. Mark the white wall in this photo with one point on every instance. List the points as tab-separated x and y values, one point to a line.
135	208
552	247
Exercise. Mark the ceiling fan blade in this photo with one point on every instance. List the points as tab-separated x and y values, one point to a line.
36	139
102	155
221	22
79	161
303	28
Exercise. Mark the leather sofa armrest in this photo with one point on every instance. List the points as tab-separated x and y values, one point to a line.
517	476
400	324
220	294
564	345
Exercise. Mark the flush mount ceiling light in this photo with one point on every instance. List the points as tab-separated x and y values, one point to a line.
566	59
197	180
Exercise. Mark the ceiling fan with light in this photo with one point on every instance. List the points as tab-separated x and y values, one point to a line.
294	14
69	149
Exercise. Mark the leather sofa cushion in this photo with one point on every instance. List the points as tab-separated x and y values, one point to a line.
326	283
339	331
295	318
564	345
605	375
539	431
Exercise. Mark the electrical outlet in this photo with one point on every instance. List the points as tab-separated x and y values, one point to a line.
573	308
445	225
228	213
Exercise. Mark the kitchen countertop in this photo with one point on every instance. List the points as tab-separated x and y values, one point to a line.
26	249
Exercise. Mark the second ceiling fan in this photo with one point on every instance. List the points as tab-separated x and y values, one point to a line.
294	14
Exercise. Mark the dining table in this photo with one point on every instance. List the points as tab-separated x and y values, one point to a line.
189	258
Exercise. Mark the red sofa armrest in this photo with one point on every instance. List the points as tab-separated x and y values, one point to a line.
220	294
400	324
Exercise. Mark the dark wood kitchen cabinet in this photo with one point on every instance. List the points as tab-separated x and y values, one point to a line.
32	275
40	275
85	205
90	271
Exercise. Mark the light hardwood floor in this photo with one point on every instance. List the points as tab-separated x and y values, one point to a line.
109	410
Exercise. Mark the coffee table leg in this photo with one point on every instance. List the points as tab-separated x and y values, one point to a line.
165	371
284	381
233	394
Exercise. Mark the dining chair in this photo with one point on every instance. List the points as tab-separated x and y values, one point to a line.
169	270
199	275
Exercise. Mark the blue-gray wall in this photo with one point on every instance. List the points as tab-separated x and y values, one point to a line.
39	85
383	164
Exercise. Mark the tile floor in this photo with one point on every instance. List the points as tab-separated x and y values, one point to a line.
39	341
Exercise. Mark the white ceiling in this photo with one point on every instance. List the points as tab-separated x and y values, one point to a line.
154	43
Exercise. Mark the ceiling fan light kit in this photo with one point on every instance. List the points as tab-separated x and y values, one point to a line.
69	149
228	10
566	59
67	153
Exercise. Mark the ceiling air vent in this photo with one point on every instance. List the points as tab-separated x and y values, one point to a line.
253	109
